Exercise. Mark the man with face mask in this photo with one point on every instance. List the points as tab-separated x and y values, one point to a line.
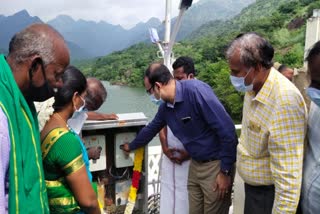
311	179
198	119
270	151
31	72
175	164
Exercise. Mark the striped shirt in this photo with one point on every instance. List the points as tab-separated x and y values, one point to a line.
4	162
271	144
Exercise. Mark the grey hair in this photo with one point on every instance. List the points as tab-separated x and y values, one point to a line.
30	42
96	94
254	50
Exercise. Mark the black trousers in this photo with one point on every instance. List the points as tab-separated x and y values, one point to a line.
258	199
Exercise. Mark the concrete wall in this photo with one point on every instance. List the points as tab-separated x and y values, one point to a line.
312	31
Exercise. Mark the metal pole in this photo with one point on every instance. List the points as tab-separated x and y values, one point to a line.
166	58
167	22
176	29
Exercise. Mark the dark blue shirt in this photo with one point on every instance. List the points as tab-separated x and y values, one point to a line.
199	121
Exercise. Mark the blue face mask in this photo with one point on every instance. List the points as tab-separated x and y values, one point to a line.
78	118
156	101
239	84
314	95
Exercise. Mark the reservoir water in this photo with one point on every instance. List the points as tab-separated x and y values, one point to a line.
124	99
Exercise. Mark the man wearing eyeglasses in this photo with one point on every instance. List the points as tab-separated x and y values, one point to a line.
176	161
198	119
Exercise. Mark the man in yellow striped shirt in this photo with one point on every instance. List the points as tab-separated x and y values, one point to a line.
270	151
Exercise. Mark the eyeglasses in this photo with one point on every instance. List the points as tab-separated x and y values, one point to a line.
149	90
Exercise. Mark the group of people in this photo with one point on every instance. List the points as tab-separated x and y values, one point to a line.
278	151
47	170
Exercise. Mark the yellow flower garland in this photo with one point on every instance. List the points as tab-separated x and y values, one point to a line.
137	167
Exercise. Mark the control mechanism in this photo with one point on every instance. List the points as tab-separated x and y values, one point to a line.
121	159
96	142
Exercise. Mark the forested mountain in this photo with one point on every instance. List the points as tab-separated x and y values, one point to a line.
11	24
1	17
283	24
101	38
206	11
88	39
257	11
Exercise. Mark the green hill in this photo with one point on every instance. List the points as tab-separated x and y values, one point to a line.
282	22
256	11
205	11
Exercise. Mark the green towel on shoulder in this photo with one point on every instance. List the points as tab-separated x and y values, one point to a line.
27	191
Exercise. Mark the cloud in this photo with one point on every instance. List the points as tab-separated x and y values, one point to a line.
127	13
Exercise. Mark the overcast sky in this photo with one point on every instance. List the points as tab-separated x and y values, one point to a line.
127	13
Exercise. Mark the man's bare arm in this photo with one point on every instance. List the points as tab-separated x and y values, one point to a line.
92	115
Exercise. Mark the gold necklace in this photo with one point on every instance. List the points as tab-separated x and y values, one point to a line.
60	118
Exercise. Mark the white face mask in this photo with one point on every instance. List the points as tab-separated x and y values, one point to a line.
78	118
239	83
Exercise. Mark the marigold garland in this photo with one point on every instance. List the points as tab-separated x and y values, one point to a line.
137	167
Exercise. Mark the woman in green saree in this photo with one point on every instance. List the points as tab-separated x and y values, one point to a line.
68	186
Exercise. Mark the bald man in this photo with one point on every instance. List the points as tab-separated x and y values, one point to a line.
96	96
175	164
31	72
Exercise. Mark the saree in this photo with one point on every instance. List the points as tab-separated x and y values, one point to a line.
27	190
62	156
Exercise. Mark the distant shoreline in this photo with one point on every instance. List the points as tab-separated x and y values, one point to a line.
118	83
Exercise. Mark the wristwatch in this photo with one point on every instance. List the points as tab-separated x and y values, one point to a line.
226	172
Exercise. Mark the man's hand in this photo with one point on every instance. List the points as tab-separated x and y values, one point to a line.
92	115
125	148
110	116
94	152
169	153
180	156
222	185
